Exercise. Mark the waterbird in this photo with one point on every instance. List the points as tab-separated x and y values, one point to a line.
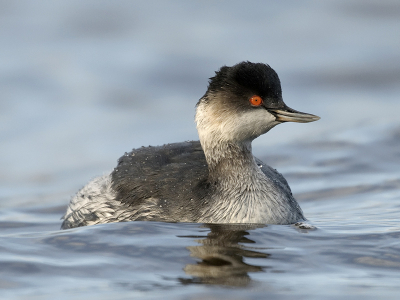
214	180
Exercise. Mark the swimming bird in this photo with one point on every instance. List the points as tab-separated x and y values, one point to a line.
214	180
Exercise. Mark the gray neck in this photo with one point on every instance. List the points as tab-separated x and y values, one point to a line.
230	162
226	142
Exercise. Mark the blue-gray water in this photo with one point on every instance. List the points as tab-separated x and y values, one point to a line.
84	81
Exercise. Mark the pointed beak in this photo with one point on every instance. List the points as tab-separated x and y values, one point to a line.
288	114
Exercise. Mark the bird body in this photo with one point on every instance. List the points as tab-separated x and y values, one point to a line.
214	180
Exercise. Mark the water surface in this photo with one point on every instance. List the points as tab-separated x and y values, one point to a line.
83	82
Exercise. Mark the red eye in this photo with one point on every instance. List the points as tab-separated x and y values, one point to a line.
256	100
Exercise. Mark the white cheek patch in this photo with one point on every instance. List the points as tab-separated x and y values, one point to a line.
232	125
249	125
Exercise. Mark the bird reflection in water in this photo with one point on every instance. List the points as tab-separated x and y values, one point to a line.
221	253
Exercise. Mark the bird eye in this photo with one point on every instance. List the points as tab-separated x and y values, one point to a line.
256	100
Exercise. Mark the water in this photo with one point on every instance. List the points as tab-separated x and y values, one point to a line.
83	82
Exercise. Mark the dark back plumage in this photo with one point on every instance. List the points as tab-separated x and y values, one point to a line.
168	173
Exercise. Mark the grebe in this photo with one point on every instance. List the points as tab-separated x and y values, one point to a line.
214	180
